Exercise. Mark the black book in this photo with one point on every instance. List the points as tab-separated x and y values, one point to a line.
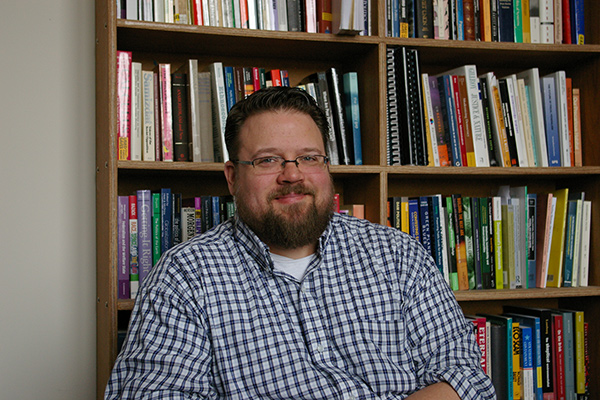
179	93
339	118
487	121
508	122
393	127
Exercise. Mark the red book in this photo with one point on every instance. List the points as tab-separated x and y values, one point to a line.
459	121
558	357
324	17
566	23
197	12
275	75
166	117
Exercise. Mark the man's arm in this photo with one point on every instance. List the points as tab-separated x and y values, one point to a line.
437	391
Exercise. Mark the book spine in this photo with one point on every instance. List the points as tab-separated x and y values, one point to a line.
166	219
180	105
219	103
452	244
124	103
135	143
133	247
148	117
166	109
498	242
123	247
156	231
144	212
352	112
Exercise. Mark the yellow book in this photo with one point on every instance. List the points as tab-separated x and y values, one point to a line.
405	221
516	353
579	352
555	263
526	24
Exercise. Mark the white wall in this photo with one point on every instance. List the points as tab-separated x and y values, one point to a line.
47	210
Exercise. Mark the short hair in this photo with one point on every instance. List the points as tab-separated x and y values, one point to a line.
273	98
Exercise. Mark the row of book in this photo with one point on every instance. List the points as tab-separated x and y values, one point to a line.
149	223
515	21
313	16
166	115
514	239
461	118
535	353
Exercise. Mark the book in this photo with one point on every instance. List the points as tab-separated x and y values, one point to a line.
338	114
549	100
474	110
498	229
148	117
531	79
577	143
409	93
438	121
166	219
180	103
166	110
460	242
502	354
124	103
323	98
219	111
531	239
423	19
548	348
392	116
500	140
546	8
568	333
430	133
135	114
556	256
448	111
144	214
347	17
546	209
527	370
584	257
324	16
558	355
156	228
123	289
560	83
451	224
352	114
577	22
134	281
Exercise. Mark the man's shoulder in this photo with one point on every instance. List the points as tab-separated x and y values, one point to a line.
362	228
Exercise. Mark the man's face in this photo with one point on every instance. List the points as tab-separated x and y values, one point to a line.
290	208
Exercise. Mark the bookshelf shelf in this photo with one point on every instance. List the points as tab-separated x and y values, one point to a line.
370	184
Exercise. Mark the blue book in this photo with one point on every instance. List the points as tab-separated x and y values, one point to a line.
166	219
449	115
352	112
536	349
506	22
229	77
437	213
460	21
528	388
548	88
577	22
413	218
424	219
569	247
144	209
216	211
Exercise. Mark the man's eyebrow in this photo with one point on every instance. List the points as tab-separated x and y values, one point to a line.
277	151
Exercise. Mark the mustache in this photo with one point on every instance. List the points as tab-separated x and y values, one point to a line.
292	189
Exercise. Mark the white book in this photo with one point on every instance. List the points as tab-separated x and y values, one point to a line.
526	119
577	241
237	18
429	121
205	13
516	120
282	15
531	78
252	14
546	21
534	20
131	9
147	10
213	13
560	78
194	107
226	14
136	111
159	10
584	257
169	11
188	223
148	117
520	193
444	232
219	114
478	134
347	17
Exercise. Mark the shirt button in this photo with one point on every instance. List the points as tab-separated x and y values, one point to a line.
320	348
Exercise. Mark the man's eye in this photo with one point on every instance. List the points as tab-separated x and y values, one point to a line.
309	159
267	161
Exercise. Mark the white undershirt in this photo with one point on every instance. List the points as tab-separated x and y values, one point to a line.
293	267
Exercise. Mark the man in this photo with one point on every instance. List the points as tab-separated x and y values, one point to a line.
288	300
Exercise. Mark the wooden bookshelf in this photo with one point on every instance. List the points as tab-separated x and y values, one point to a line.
372	183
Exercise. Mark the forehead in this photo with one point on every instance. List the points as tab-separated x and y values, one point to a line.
280	131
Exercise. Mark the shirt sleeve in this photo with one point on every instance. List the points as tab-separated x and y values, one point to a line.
166	354
442	342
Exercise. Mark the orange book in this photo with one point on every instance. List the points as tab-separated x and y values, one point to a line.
577	128
461	245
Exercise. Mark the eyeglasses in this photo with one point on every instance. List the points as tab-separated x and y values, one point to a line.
275	164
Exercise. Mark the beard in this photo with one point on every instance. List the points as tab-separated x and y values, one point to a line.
297	226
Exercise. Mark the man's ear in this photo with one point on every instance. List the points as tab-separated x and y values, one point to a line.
230	175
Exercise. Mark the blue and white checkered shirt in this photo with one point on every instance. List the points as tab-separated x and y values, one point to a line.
371	319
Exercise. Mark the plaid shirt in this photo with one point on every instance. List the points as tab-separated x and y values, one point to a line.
371	319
